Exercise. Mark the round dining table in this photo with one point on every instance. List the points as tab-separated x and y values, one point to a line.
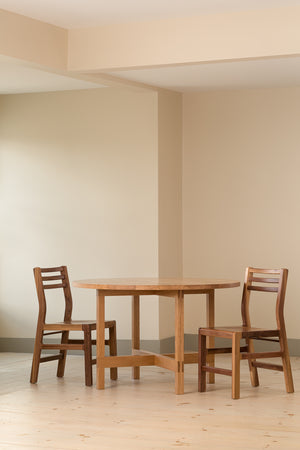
176	288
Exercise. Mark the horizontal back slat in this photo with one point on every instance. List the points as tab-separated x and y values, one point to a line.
264	280
54	286
263	288
268	271
53	277
51	269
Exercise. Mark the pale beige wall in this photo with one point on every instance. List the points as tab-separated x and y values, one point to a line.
87	179
241	189
79	186
169	199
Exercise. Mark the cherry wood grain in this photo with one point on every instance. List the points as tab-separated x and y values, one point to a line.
155	284
179	343
210	320
135	332
175	288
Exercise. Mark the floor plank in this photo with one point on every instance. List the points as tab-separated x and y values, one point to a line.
143	414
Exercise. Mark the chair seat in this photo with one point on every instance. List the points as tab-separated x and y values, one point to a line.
72	325
246	332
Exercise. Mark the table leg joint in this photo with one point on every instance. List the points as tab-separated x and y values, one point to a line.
180	366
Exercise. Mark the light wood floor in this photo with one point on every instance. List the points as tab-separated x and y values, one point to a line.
146	414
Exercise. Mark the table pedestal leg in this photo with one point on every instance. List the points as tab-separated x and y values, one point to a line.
210	322
136	332
100	339
179	343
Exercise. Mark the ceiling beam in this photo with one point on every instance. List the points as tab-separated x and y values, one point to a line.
33	41
212	37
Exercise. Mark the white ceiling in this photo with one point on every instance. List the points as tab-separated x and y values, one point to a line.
222	75
87	13
16	78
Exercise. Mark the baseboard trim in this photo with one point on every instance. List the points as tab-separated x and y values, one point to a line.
25	345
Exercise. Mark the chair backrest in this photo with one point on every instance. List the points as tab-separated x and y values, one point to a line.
53	278
265	280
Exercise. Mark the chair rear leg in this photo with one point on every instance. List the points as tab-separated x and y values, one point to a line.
113	349
286	363
36	356
236	359
62	361
253	370
201	362
88	356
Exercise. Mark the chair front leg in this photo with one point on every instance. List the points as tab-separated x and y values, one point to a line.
286	363
236	359
253	370
113	349
201	363
36	355
88	355
62	361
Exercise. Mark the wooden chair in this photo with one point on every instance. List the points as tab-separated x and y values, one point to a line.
262	280
57	278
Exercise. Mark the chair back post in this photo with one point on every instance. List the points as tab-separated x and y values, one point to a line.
40	294
280	300
245	300
265	282
41	286
68	295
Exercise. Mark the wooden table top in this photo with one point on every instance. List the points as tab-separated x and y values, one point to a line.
155	284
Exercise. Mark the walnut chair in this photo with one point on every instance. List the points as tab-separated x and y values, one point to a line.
262	280
57	278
